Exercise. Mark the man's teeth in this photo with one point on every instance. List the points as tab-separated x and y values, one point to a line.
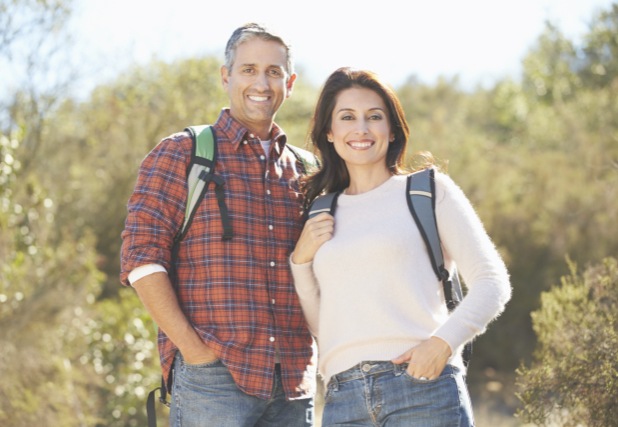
258	98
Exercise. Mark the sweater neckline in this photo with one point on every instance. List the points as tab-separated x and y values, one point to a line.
384	187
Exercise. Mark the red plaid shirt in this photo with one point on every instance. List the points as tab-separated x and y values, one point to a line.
238	294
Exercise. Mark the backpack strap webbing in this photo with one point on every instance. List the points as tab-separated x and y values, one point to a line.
200	173
151	411
324	203
420	190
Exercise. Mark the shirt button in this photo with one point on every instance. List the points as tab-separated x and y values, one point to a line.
267	191
262	157
366	367
272	339
270	227
272	263
245	142
272	301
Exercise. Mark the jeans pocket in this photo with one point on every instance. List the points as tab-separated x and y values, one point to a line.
448	372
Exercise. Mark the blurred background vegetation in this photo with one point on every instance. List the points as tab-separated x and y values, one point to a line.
538	156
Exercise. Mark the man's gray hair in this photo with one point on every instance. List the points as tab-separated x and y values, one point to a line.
248	32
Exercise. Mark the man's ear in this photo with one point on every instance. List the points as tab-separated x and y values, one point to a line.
225	75
290	85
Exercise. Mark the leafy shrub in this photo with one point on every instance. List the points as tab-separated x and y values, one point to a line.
573	379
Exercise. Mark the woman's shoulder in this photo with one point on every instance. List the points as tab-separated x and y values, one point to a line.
446	187
441	178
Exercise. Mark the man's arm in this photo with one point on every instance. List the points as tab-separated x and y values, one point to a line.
156	293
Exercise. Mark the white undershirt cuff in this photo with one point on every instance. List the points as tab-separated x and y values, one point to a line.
145	270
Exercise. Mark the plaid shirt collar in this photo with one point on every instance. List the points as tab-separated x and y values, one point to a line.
236	133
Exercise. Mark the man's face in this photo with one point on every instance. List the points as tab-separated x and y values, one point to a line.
257	84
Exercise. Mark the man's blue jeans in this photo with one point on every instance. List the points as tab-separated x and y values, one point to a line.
206	395
384	394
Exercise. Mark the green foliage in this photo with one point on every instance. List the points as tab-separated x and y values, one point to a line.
600	67
48	284
121	343
574	377
549	68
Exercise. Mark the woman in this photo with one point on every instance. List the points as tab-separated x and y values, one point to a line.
389	351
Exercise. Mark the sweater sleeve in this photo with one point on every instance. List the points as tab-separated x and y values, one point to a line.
467	245
308	293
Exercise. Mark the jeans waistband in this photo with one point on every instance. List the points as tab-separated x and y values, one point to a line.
367	368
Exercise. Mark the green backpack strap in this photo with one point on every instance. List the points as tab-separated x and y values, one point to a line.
200	170
421	192
200	173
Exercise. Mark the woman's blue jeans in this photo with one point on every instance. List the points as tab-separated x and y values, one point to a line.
384	394
206	395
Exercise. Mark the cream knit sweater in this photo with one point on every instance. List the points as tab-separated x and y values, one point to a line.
371	293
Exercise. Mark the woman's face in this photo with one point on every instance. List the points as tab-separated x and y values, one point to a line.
360	128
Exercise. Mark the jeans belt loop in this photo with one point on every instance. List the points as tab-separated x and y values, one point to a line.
334	383
400	369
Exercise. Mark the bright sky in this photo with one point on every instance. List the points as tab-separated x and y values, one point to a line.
478	40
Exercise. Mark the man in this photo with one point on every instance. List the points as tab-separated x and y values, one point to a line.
233	341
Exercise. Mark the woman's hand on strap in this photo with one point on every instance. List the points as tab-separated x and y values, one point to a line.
316	232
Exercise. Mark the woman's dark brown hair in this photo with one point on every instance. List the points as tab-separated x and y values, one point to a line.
333	175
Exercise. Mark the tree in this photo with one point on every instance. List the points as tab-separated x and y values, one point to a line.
549	69
599	66
48	277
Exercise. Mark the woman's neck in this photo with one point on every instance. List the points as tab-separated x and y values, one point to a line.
364	180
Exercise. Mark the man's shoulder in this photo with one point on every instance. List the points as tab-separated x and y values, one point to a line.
179	138
175	145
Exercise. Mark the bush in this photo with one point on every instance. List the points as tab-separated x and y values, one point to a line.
573	379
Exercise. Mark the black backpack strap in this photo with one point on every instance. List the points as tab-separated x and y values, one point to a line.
151	411
200	173
420	191
421	202
324	203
